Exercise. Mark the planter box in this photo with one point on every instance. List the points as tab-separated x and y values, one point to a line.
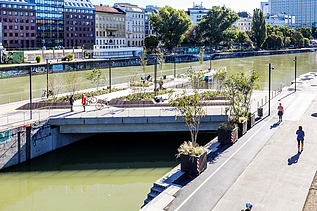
251	121
243	127
227	136
193	164
260	112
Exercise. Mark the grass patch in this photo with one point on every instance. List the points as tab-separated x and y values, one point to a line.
144	95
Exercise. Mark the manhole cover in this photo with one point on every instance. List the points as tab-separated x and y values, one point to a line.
314	115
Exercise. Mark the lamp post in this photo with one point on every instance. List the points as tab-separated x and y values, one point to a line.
30	93
210	57
295	60
109	75
270	68
155	70
47	78
174	66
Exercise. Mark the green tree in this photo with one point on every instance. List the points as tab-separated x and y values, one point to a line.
273	42
193	35
258	27
242	37
96	77
215	22
73	82
143	61
314	32
170	25
306	32
297	39
151	42
191	109
230	34
287	41
306	42
196	79
160	60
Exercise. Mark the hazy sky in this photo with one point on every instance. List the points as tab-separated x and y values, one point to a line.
236	5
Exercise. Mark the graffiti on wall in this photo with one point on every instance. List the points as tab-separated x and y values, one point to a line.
5	136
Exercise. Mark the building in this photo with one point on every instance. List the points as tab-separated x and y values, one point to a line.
244	21
49	23
134	22
196	13
18	20
281	19
79	23
265	8
110	26
147	19
305	11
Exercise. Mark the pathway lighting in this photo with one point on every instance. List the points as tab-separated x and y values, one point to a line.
270	68
295	60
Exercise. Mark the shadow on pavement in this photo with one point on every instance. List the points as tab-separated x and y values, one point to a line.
293	159
275	125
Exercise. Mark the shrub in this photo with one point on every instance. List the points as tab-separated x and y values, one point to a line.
70	56
38	59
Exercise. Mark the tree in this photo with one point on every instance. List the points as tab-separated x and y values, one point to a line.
306	32
273	42
160	60
151	42
73	82
191	109
258	27
306	42
55	84
242	37
314	32
143	61
287	41
196	79
170	25
215	22
201	57
96	77
297	39
230	35
193	35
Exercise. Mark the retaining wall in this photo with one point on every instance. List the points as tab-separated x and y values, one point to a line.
29	141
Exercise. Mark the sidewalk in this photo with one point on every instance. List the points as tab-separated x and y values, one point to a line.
263	167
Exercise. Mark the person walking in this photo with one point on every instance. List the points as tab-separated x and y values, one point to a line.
84	101
71	102
300	138
280	112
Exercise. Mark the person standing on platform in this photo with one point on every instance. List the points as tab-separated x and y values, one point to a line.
84	101
71	102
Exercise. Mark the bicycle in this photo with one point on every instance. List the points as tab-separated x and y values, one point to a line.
91	100
45	95
101	104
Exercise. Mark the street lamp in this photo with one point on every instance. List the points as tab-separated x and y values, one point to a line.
110	63
155	71
295	60
47	78
270	68
30	93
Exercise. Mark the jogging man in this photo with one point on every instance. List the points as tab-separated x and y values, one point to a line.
280	112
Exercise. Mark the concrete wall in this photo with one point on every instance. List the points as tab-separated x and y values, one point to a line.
29	141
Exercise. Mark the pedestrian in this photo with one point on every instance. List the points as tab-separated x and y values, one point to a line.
84	101
71	101
280	112
161	84
300	138
190	69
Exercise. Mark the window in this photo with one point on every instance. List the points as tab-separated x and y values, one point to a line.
21	20
26	20
32	14
16	20
26	34
26	13
10	12
15	13
32	20
22	35
4	12
16	34
32	28
4	34
10	20
26	28
10	27
21	27
4	27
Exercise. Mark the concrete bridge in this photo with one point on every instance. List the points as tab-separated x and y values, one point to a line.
131	124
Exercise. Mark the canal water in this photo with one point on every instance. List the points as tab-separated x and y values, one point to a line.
283	72
103	172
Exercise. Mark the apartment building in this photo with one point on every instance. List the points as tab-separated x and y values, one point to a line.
79	23
134	23
196	13
18	20
110	26
147	19
244	21
305	11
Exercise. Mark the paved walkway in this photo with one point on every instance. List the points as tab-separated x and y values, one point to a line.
263	167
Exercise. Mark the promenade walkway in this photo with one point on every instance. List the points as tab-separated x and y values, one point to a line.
263	167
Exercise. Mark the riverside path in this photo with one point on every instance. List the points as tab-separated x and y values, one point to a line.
263	167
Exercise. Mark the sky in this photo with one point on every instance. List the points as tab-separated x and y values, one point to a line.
236	5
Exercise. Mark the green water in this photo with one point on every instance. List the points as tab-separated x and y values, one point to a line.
15	89
104	172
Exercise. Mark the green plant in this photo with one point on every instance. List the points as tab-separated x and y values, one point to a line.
190	148
144	95
70	56
96	77
196	79
38	59
191	109
227	125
